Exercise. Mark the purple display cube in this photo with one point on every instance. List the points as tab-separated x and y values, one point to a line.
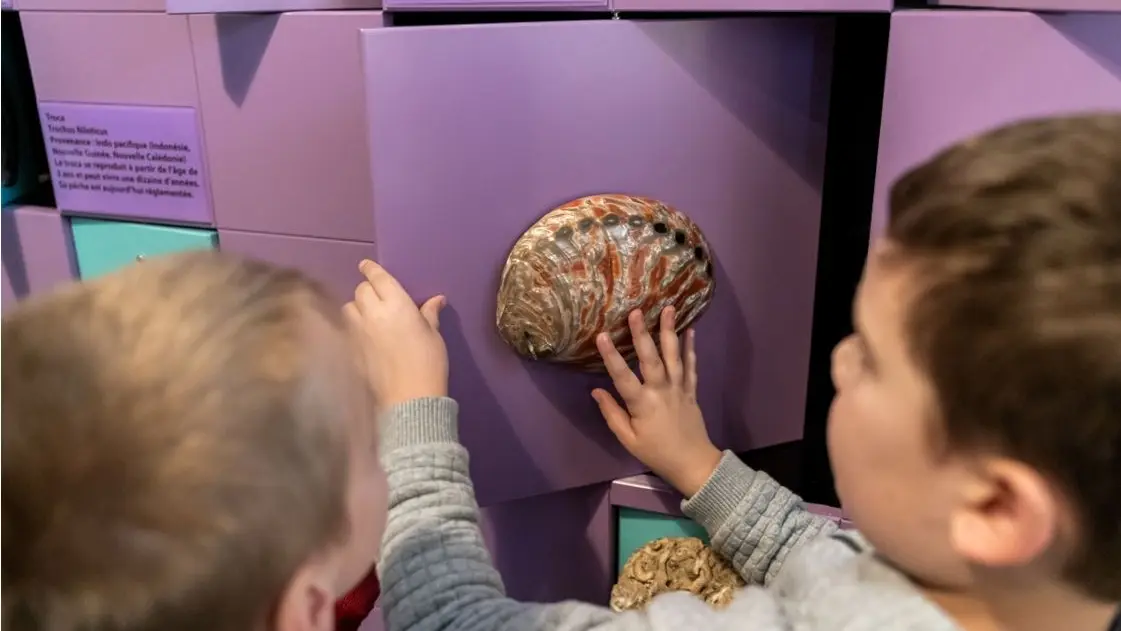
778	6
37	251
283	101
548	548
495	5
1036	5
121	122
952	74
487	127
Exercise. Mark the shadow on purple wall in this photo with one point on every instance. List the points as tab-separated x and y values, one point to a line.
1103	45
242	41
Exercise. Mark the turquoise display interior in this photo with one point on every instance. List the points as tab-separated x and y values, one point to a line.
637	528
103	246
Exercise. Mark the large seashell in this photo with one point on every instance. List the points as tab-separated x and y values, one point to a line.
583	267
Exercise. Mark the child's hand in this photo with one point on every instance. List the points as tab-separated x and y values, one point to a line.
664	428
405	355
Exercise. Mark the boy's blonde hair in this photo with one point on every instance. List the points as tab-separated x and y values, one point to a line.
173	446
1016	315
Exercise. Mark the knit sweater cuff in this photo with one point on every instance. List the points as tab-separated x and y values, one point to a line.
420	422
718	498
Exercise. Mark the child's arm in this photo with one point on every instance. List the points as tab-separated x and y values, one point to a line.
752	520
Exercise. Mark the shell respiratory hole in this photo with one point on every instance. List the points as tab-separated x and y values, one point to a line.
584	266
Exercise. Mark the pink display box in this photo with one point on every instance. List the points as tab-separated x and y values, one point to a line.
981	69
499	5
487	127
282	98
777	6
148	6
266	6
333	263
649	493
37	251
121	124
549	548
1036	5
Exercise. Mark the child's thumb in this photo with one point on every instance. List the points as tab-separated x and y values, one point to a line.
431	310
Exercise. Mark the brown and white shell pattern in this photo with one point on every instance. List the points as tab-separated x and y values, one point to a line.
675	564
584	266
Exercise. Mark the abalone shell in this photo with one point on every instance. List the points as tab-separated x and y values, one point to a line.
584	266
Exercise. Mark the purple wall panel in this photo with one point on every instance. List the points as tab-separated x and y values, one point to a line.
549	548
753	5
92	5
38	253
266	6
149	62
283	113
488	127
951	74
331	262
1035	5
507	5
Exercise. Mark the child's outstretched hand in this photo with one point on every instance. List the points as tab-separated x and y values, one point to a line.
662	425
404	352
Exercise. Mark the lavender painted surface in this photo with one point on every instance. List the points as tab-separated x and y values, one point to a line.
92	5
266	6
8	300
1036	5
753	5
7	5
333	263
37	251
549	548
488	127
149	62
981	69
506	5
126	161
283	104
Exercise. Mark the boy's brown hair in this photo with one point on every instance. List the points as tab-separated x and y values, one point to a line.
1015	236
172	446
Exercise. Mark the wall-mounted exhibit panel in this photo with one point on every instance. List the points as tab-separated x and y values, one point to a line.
490	126
120	122
282	99
952	74
102	247
37	252
147	6
333	263
1035	5
500	5
831	6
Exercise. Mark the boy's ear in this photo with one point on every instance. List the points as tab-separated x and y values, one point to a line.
1009	515
308	603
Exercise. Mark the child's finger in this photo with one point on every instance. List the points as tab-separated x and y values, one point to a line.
431	311
690	380
383	283
653	371
365	297
671	355
617	418
626	383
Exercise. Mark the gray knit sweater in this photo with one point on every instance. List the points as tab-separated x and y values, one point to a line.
436	573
